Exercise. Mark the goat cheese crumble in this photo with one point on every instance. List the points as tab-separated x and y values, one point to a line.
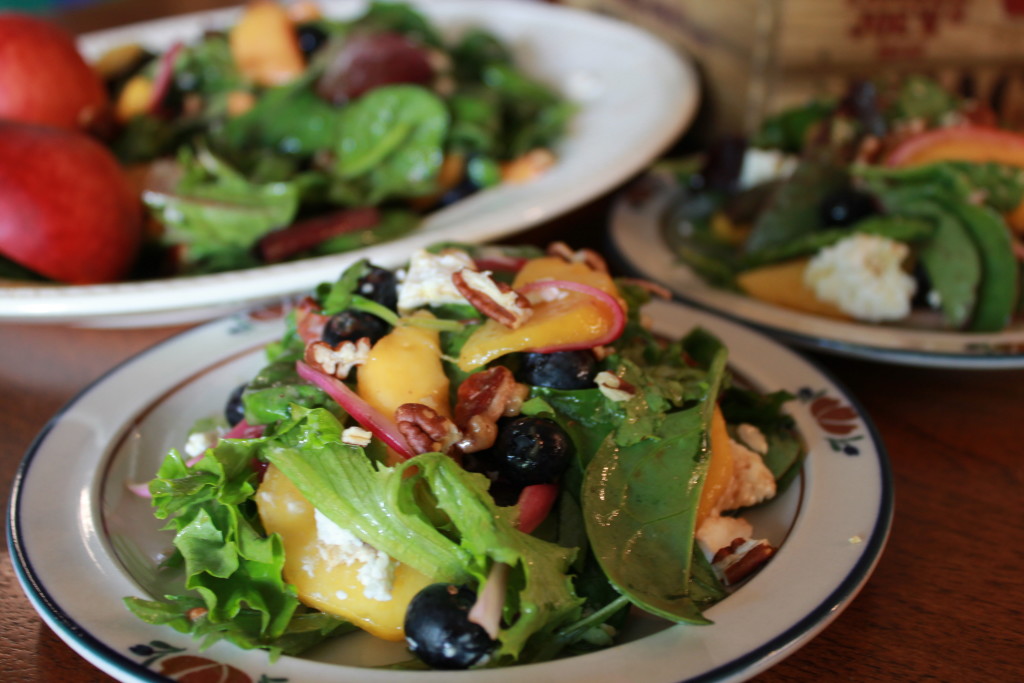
341	546
428	281
863	275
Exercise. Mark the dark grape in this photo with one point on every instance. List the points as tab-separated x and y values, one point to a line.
234	410
311	39
559	370
352	326
380	285
529	450
439	632
845	207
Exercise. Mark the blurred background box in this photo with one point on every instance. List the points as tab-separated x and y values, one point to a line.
759	56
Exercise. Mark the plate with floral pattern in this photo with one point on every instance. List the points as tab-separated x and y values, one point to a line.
81	541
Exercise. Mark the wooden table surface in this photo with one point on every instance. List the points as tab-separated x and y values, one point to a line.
942	604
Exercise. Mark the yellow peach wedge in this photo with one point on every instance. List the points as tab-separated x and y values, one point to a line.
568	318
320	582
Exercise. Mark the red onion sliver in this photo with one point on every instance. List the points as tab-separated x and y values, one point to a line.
360	410
618	313
486	611
500	263
534	504
164	76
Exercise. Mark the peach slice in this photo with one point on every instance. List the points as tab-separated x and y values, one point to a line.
719	468
330	587
565	319
265	46
783	284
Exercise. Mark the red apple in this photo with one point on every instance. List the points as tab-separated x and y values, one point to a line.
67	210
44	79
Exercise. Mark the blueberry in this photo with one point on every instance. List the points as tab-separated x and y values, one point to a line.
559	370
311	39
845	207
529	450
439	632
352	326
234	410
380	285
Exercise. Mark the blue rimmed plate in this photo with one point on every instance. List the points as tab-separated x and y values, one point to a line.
80	541
637	241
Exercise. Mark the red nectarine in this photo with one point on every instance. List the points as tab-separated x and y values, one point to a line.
44	79
67	210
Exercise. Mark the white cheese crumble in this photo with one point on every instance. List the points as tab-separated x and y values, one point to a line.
340	546
429	279
752	438
752	482
863	276
764	165
199	442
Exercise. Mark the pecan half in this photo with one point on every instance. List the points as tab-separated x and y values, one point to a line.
494	299
741	558
356	436
425	429
614	387
481	400
337	360
588	257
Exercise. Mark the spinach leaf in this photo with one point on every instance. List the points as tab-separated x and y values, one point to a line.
392	140
794	209
640	502
399	17
291	119
897	228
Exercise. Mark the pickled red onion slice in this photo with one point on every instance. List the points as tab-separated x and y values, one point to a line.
361	411
164	77
618	312
534	504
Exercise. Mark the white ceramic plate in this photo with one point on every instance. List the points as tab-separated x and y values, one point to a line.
80	542
635	97
637	242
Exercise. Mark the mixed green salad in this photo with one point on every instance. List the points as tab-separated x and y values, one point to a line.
293	134
486	455
898	203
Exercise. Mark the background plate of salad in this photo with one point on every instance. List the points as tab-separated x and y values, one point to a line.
82	541
637	234
884	223
600	69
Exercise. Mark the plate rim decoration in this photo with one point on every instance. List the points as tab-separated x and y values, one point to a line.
592	160
63	525
636	244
